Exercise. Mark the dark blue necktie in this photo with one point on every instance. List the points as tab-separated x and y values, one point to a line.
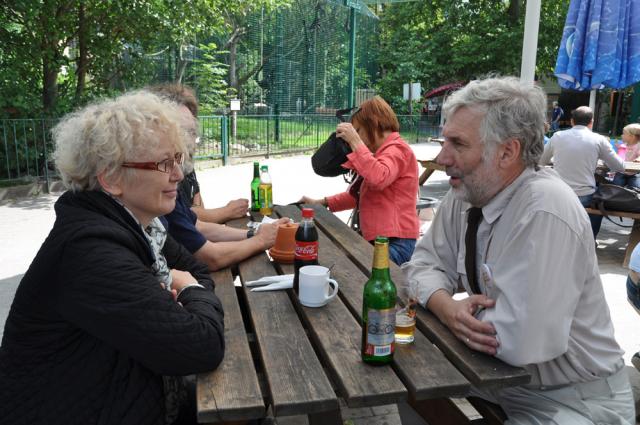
474	216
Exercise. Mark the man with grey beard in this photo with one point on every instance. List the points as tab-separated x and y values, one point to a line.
518	241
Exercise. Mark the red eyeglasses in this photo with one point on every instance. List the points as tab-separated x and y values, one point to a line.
164	166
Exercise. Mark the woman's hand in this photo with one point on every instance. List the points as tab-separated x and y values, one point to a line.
180	279
307	200
348	133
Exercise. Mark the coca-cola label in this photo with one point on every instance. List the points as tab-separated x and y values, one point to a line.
306	250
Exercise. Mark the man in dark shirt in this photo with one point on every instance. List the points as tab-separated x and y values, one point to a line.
556	116
189	186
214	244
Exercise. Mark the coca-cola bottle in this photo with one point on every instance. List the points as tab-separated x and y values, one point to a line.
306	245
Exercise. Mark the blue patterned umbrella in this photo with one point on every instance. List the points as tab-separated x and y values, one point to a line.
600	45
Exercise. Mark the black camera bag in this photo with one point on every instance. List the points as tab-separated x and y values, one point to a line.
328	159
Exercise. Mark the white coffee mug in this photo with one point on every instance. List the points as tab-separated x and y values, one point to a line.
314	286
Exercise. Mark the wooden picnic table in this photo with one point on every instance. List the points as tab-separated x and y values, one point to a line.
629	166
429	165
287	359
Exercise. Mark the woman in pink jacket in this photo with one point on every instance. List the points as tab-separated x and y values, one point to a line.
388	166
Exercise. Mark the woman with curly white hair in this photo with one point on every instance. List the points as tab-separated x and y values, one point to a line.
111	311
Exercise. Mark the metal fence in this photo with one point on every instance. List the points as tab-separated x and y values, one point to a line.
26	144
25	148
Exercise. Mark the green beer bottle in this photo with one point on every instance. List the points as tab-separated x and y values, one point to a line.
378	309
255	188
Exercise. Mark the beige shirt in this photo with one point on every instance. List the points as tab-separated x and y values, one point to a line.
536	258
575	155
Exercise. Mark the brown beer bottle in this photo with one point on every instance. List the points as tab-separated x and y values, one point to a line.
378	309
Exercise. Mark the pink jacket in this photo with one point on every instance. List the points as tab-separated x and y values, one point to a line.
633	152
388	193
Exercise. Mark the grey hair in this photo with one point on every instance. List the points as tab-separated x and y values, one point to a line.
101	136
512	110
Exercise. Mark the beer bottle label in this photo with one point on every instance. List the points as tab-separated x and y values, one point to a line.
381	326
306	250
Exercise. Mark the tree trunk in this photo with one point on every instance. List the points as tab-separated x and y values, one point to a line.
82	59
233	55
49	86
51	51
232	46
514	10
181	66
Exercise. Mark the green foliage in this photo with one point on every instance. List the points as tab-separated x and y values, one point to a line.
210	75
57	54
441	41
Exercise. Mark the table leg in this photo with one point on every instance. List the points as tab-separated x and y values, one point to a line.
425	175
332	417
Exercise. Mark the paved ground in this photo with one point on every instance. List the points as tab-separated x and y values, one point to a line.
25	223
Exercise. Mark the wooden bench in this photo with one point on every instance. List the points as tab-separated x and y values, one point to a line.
634	236
231	392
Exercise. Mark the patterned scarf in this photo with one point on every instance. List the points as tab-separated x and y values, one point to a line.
156	234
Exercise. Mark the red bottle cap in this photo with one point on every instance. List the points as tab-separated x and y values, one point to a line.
307	213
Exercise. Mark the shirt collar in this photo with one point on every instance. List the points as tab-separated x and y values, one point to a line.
493	210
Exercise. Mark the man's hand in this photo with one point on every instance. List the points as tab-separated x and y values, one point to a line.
266	233
459	316
237	208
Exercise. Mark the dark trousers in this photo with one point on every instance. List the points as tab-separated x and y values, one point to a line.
596	220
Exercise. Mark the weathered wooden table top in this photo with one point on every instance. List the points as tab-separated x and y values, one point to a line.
294	359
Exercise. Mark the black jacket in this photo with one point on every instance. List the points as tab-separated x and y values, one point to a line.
91	332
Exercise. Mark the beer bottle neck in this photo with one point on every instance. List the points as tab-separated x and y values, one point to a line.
380	267
256	171
381	274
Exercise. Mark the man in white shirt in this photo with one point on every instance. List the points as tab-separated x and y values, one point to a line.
536	299
575	155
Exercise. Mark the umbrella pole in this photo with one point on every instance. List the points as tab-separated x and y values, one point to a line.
592	100
592	104
530	42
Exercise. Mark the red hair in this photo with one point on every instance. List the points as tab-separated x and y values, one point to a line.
375	117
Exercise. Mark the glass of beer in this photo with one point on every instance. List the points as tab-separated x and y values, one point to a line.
405	324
